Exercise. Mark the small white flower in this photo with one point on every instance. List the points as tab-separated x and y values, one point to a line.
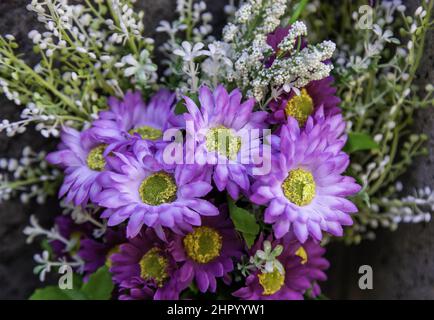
288	87
189	52
142	69
165	26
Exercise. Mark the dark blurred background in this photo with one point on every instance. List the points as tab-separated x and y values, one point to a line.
403	261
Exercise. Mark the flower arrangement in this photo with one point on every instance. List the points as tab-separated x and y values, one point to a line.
214	164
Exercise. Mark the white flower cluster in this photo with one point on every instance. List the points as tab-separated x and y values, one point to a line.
243	29
45	264
264	260
79	215
59	16
388	212
26	176
243	56
189	53
298	29
46	124
414	208
141	70
292	66
10	95
35	230
297	71
194	16
218	64
187	36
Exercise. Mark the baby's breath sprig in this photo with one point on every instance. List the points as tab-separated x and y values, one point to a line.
293	67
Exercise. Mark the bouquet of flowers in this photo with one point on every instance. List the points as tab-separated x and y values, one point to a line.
214	164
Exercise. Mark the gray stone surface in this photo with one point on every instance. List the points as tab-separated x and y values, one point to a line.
403	261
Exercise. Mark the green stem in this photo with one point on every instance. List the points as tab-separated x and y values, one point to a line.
50	87
21	183
189	21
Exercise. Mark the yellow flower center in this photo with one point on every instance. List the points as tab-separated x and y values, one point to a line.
95	159
147	132
158	188
300	107
112	251
302	254
299	187
203	244
153	266
271	282
222	140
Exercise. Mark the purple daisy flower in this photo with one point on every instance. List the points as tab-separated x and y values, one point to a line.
131	117
222	127
290	272
96	253
145	191
81	157
305	190
207	252
144	269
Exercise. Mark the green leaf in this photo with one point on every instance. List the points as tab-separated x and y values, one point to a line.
55	293
99	286
76	294
50	293
359	141
365	198
249	238
298	10
244	222
180	107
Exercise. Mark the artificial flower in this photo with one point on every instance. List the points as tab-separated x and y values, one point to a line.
305	190
82	158
132	117
144	191
207	252
222	127
144	269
